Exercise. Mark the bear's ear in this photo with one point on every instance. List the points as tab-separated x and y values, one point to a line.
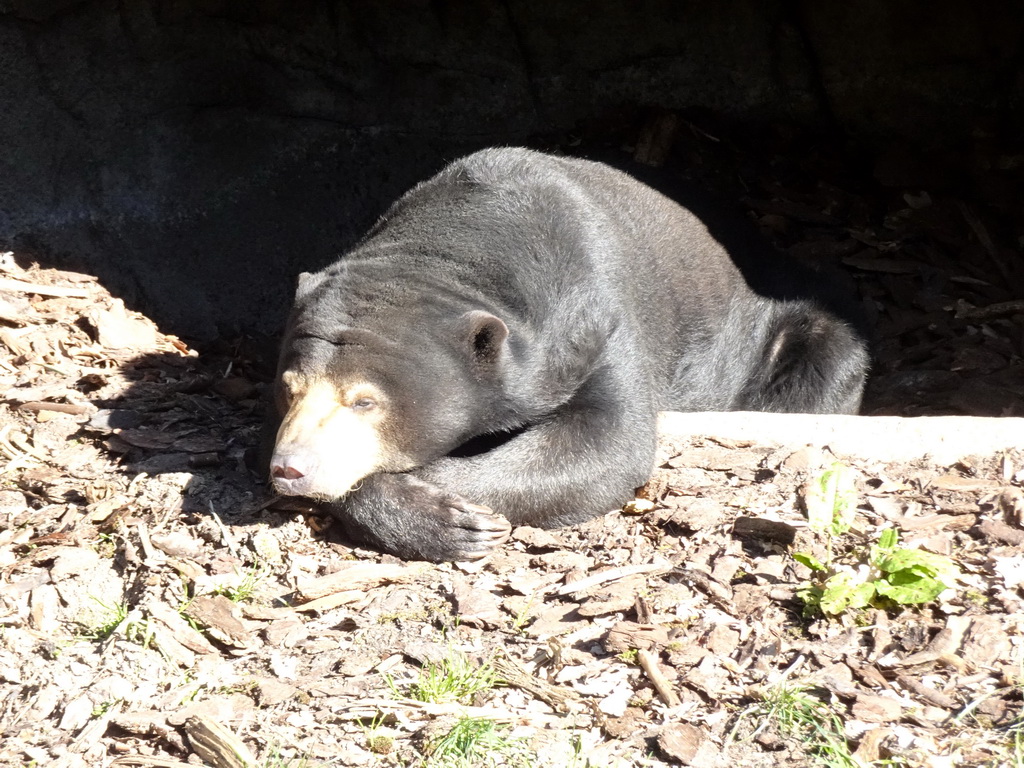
486	334
307	282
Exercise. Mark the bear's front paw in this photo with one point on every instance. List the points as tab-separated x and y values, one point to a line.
452	528
473	531
403	515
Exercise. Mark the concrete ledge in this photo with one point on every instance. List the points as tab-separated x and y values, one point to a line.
944	439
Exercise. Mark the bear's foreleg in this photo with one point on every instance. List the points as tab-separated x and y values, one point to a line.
584	461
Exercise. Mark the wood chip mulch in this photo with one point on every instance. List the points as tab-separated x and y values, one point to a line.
154	610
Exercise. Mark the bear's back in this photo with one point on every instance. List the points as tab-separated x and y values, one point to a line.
561	246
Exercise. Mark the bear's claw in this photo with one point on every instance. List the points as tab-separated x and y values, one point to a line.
476	531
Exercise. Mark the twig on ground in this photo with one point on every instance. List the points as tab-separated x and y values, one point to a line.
20	286
225	534
367	708
649	664
515	675
612	574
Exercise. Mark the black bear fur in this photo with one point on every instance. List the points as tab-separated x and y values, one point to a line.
528	316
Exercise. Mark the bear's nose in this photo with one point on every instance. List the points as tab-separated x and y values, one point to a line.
289	467
288	473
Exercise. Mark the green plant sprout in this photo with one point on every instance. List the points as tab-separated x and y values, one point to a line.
454	679
897	574
477	742
108	622
245	589
831	501
798	714
377	741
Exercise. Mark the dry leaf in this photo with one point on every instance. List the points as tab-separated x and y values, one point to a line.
117	328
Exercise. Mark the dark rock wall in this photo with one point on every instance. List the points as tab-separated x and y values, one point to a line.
196	155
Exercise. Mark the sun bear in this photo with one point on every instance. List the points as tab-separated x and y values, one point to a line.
495	351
